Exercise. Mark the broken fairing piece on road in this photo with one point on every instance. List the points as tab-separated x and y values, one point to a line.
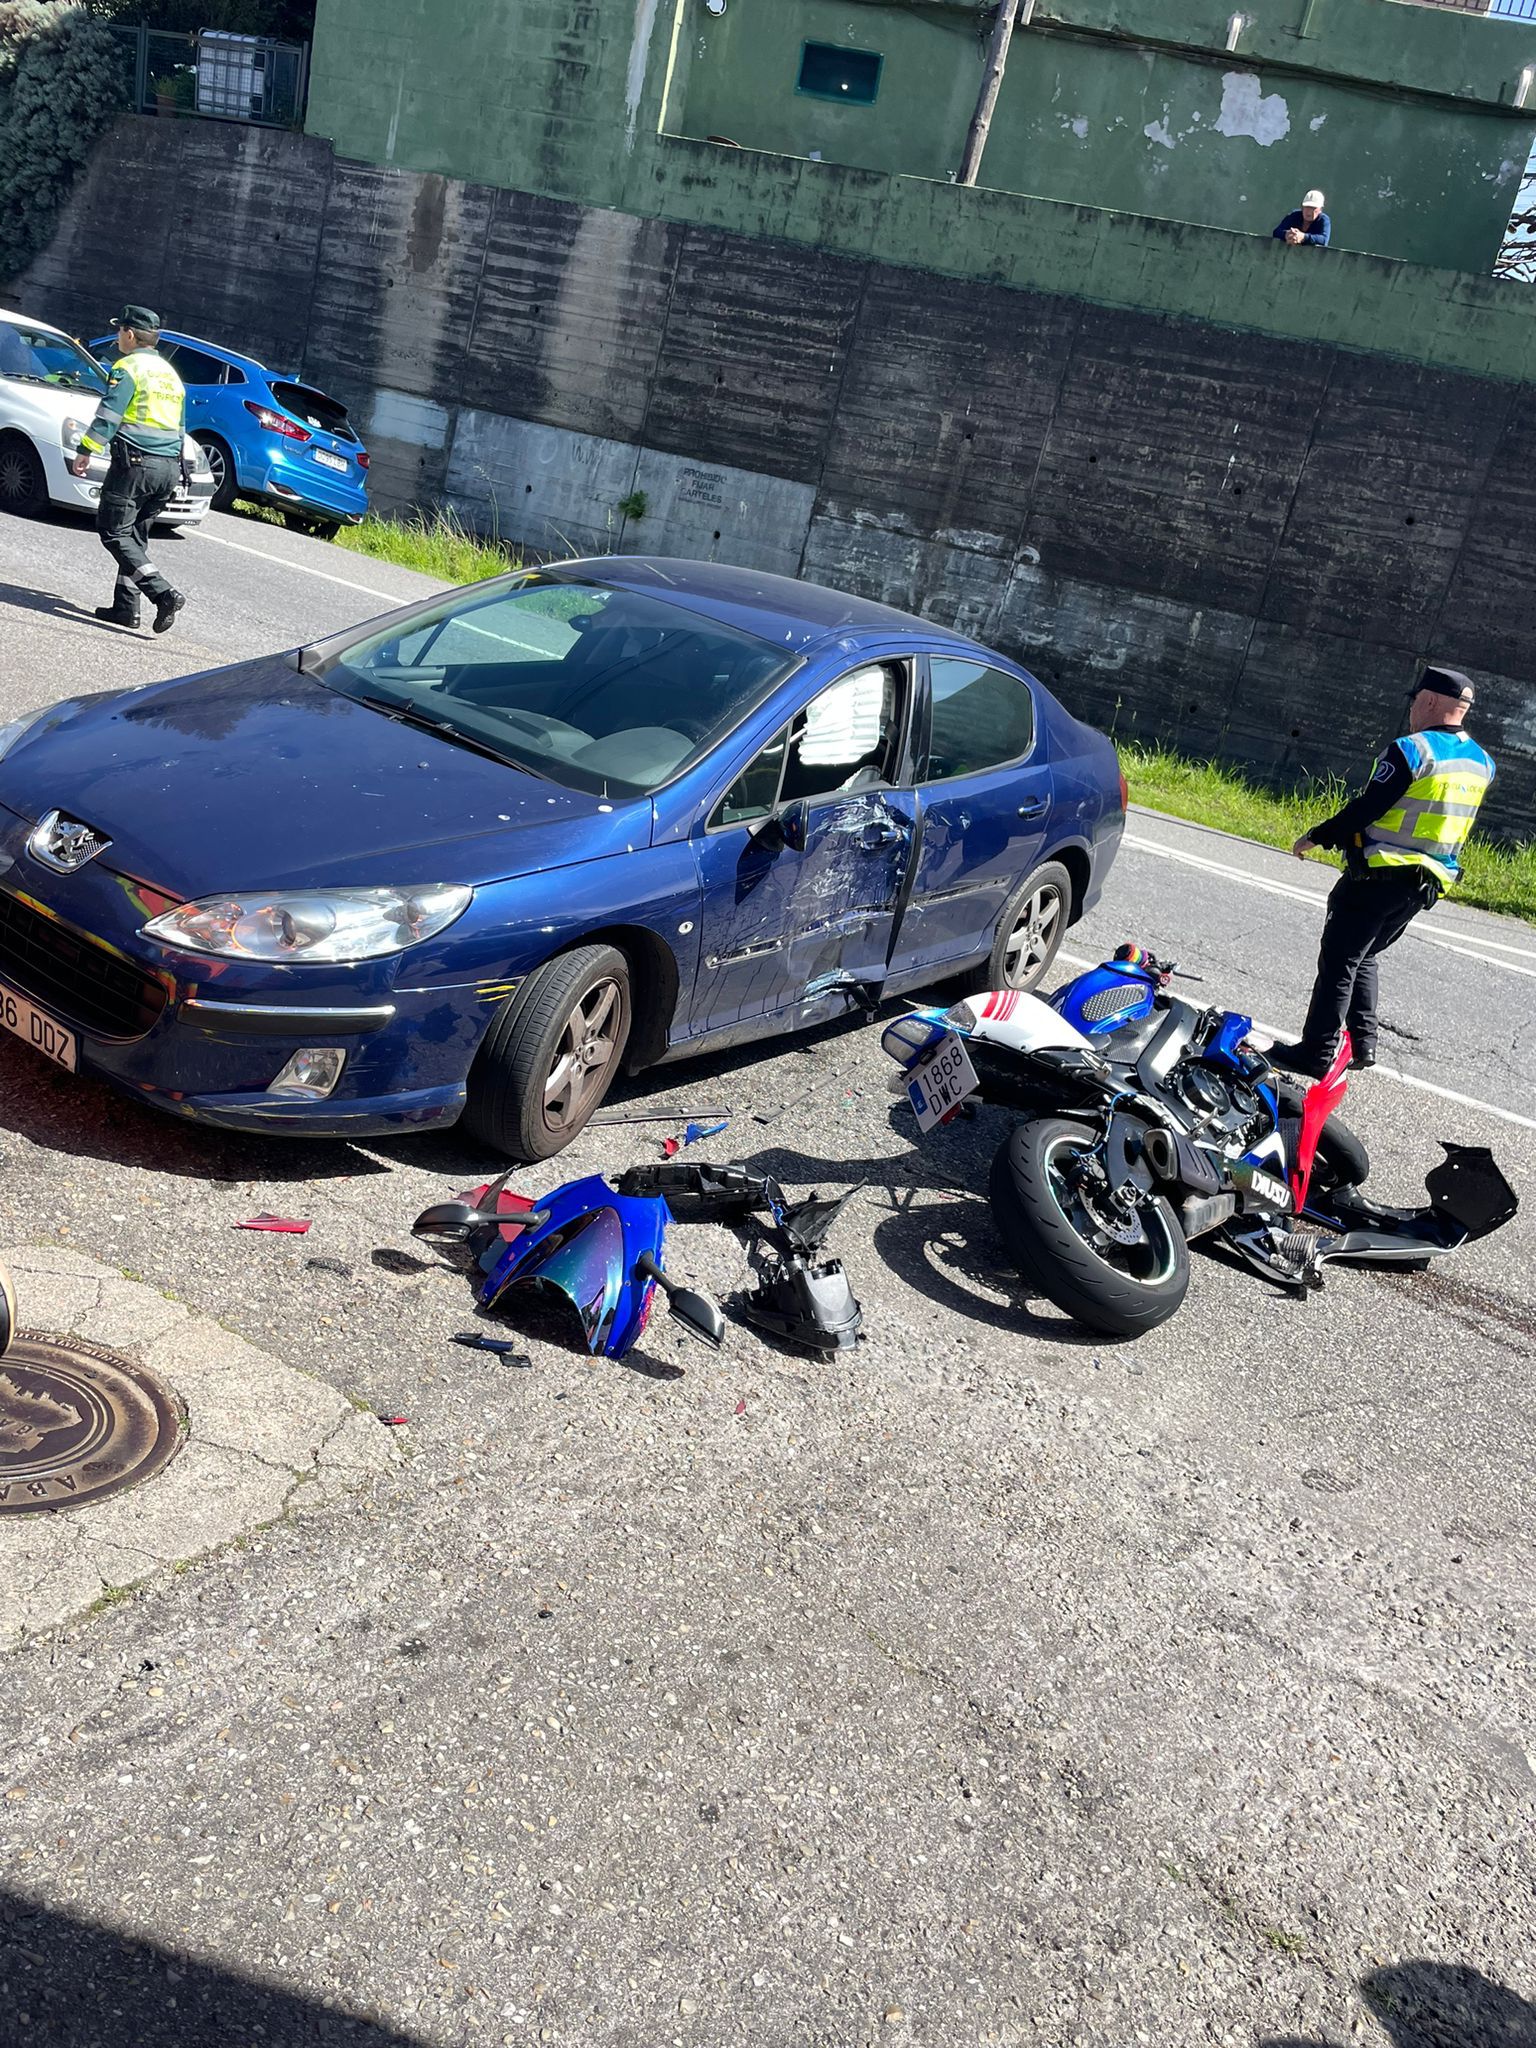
797	1296
600	1246
593	1244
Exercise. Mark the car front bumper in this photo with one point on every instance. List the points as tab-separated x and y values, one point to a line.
207	1039
83	494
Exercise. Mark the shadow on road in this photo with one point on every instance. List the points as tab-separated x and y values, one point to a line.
78	1117
1438	2005
73	1985
23	600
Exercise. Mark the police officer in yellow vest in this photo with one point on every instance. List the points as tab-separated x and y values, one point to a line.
143	421
1401	838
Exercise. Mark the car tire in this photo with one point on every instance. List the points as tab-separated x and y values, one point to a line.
226	485
1030	931
23	481
571	1014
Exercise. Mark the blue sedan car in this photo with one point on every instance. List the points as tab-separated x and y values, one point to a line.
267	437
475	858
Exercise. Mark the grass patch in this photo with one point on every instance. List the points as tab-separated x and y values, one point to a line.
1497	878
439	544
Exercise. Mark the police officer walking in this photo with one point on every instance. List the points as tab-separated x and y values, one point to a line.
1401	838
142	419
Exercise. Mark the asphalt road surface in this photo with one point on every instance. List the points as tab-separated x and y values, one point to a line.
993	1684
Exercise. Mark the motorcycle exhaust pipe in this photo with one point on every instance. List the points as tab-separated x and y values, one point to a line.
1161	1154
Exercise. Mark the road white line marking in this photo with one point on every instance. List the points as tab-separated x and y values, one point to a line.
1508	1116
282	562
1463	942
1273	1031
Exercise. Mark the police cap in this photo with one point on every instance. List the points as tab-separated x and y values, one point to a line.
1447	682
138	317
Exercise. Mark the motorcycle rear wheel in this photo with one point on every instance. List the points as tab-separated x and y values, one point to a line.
1053	1237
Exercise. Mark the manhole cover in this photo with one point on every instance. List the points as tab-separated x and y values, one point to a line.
77	1422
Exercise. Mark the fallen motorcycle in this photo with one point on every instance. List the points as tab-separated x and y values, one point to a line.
1148	1121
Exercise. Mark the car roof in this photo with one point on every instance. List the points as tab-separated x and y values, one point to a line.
780	609
217	348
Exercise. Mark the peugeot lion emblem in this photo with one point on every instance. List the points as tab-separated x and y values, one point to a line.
64	843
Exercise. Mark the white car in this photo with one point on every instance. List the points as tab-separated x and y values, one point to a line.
49	390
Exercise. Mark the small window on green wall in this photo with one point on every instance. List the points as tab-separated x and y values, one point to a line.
829	72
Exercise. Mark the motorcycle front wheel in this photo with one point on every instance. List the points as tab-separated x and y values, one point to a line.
1070	1245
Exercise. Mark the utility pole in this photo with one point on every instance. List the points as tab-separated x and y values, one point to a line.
991	83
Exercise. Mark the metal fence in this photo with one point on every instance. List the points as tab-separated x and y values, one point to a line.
214	74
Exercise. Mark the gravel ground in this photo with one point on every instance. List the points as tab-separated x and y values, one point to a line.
992	1684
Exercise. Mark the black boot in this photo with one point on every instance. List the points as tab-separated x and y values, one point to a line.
1299	1059
166	609
116	614
1361	1056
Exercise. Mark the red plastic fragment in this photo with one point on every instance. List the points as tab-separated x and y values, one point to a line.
741	1406
670	1147
395	1421
265	1222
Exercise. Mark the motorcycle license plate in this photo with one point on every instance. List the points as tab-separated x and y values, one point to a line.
941	1081
37	1029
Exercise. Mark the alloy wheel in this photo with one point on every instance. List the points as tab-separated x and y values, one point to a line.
1033	937
213	454
1133	1242
584	1057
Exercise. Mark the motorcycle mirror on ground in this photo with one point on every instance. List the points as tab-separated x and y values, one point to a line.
699	1316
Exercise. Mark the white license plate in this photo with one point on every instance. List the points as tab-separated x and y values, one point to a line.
941	1081
37	1028
328	461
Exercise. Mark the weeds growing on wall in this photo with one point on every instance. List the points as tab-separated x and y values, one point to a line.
61	82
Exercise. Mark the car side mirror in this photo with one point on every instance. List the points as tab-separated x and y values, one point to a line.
784	827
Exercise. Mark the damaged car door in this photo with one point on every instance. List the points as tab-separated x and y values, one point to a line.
803	861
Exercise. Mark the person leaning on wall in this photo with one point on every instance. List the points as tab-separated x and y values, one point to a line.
1307	227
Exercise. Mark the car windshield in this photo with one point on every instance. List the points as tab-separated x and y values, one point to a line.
34	355
600	689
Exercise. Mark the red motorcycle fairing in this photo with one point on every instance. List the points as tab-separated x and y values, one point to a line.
1320	1102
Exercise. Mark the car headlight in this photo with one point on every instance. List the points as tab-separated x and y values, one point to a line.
312	924
69	434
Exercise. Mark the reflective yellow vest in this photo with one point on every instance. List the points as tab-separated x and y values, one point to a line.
1429	823
146	402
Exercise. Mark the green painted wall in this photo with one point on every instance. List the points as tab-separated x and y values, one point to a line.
1183	133
567	98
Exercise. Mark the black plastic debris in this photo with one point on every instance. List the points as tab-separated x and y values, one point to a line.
505	1348
799	1296
337	1266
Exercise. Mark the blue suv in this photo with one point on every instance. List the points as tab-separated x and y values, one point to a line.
266	436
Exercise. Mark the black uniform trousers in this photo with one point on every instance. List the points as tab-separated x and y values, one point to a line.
1369	909
137	490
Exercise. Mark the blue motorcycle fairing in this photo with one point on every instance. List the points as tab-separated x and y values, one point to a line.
1103	998
587	1248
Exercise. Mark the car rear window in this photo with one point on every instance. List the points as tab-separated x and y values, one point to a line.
325	415
592	686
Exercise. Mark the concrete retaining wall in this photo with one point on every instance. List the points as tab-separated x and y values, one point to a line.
1238	543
